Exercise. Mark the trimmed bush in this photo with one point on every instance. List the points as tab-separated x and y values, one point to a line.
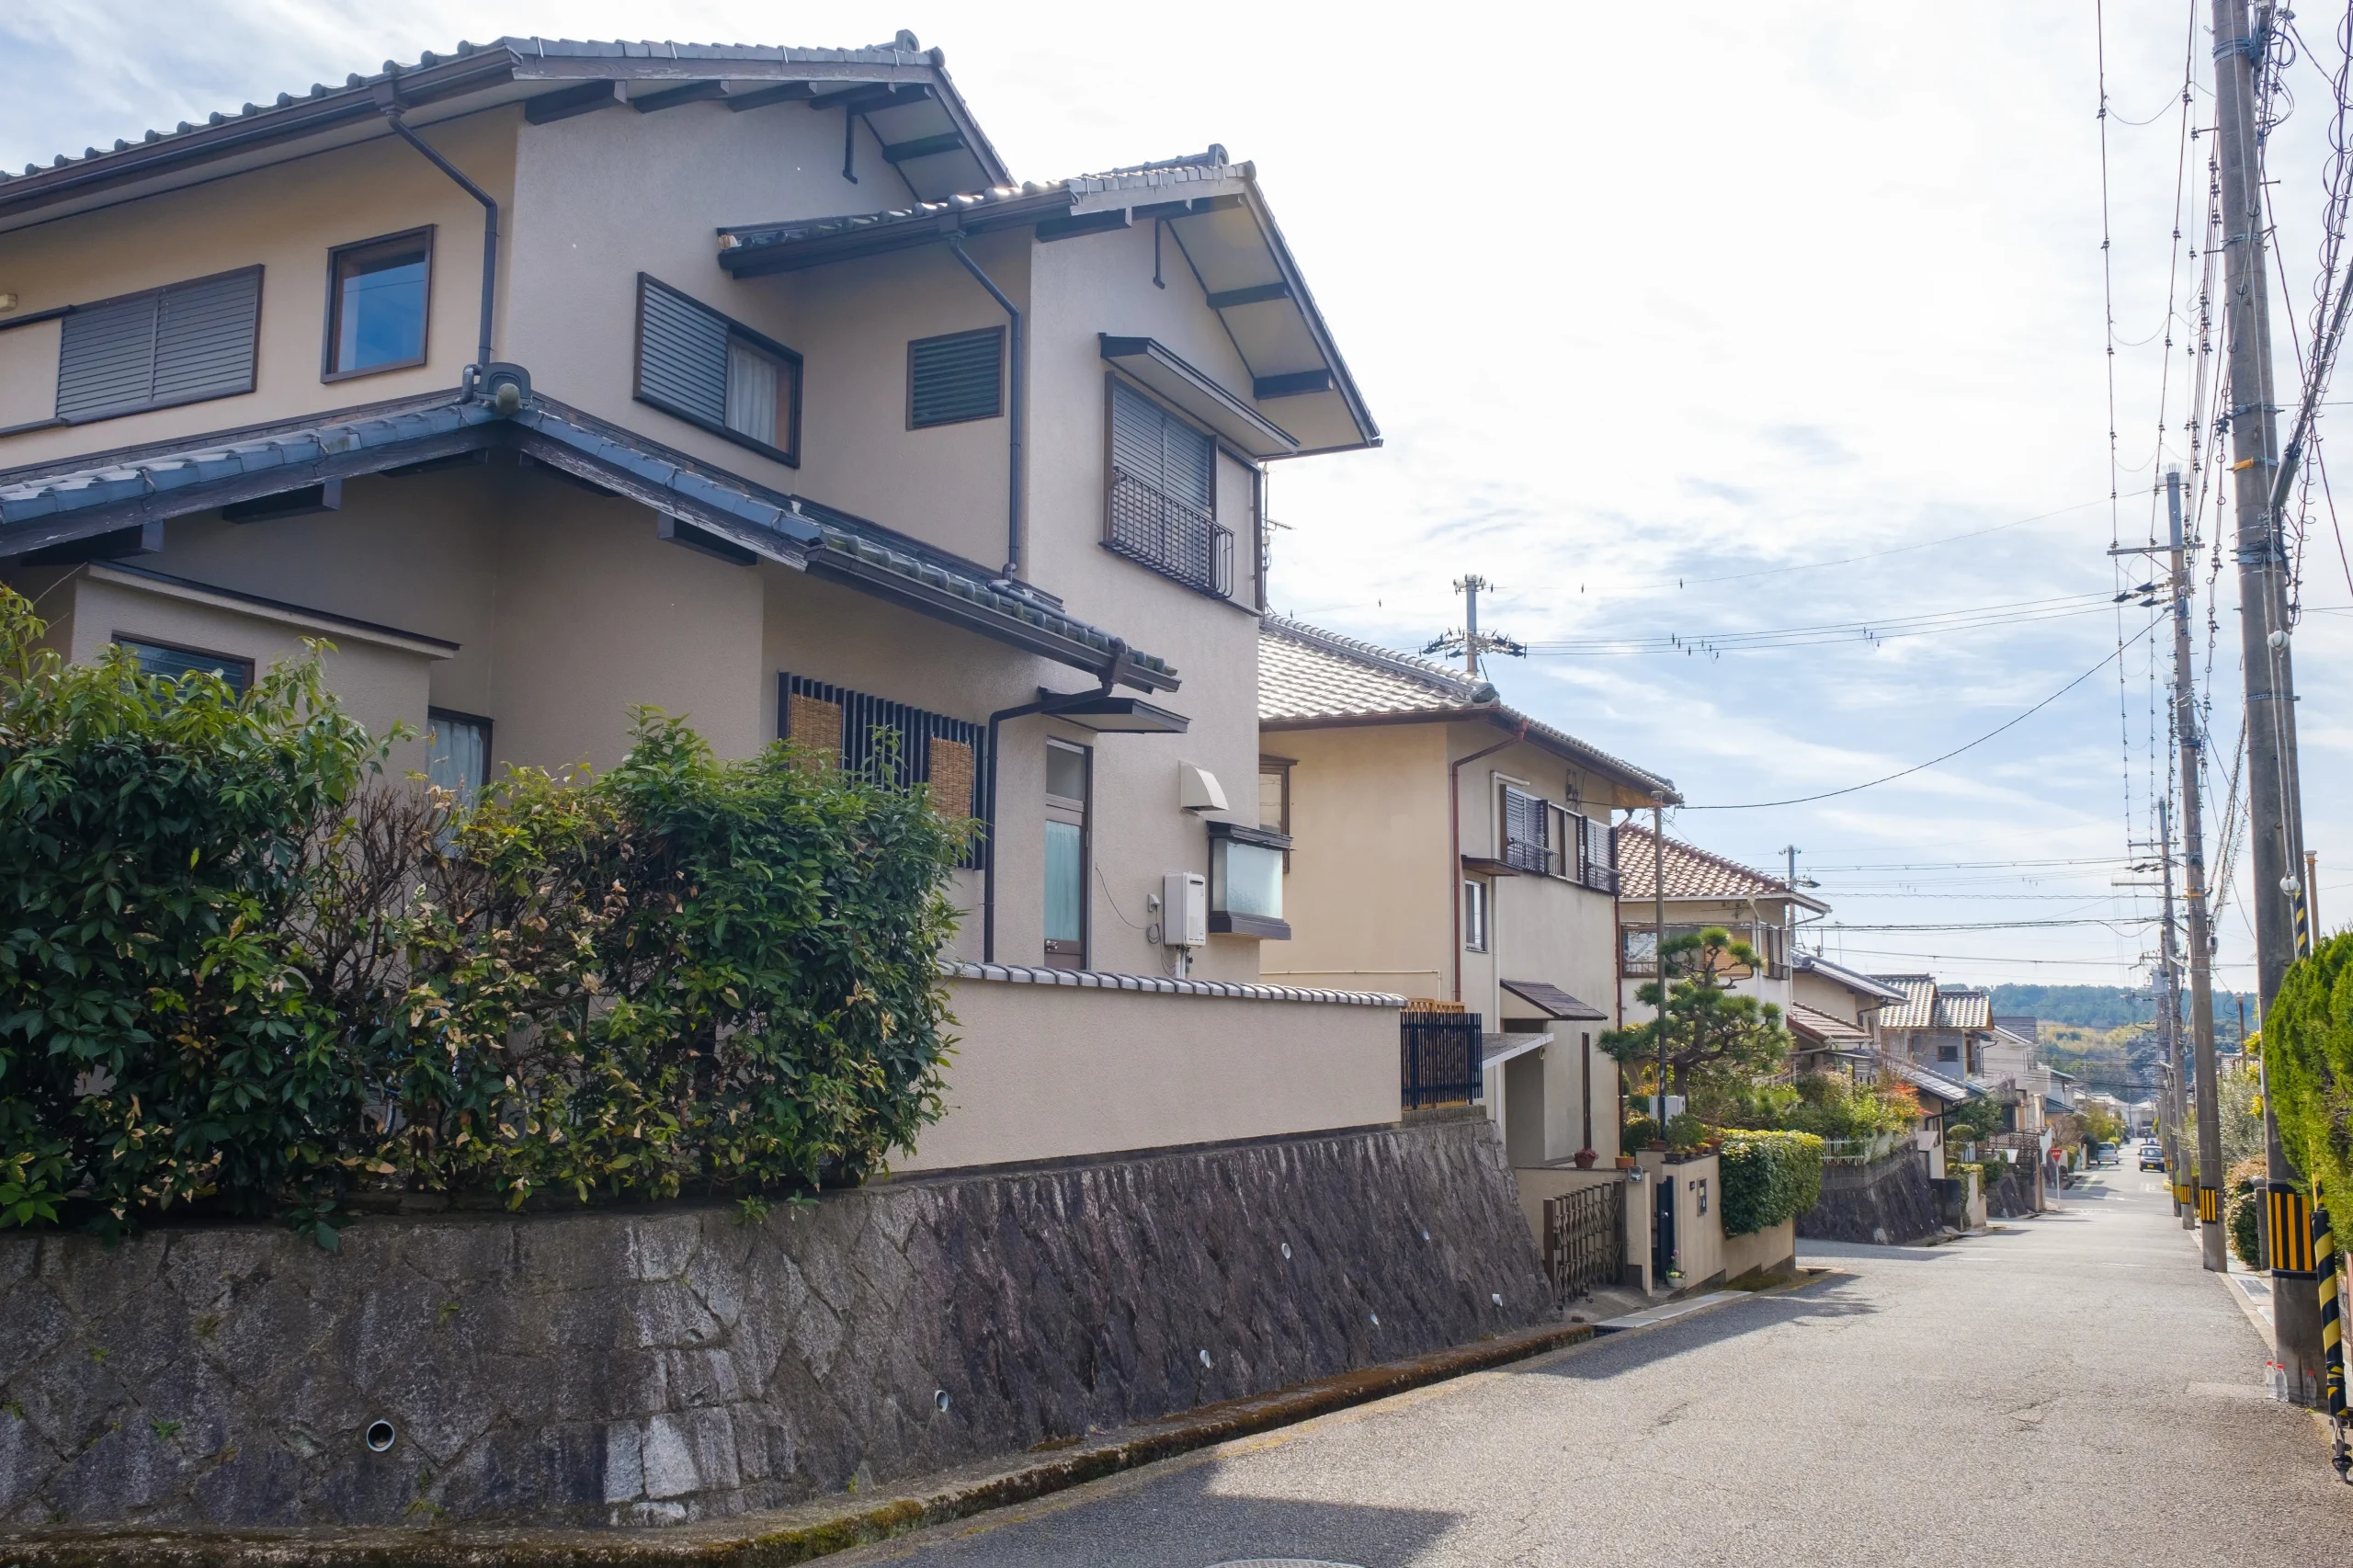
1769	1177
2243	1209
2308	1057
241	968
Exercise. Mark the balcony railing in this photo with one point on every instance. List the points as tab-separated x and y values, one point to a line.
1442	1056
1172	537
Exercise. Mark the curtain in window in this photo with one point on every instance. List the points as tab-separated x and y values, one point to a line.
1065	882
751	393
457	754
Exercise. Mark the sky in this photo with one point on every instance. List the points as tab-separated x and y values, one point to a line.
1771	317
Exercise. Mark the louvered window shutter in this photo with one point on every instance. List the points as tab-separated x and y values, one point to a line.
1163	453
955	377
681	355
184	344
204	337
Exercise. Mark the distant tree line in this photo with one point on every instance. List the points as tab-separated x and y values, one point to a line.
2110	1007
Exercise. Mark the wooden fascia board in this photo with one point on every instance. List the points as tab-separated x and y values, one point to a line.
798	256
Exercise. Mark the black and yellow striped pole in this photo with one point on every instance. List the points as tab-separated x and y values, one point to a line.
2332	1340
2304	909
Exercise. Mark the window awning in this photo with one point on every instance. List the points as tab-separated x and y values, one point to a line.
1553	1002
1195	393
1494	1049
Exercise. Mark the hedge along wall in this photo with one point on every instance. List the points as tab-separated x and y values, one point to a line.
2307	1060
243	969
1769	1177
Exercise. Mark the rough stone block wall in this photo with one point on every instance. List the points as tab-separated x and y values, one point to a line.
2011	1195
662	1365
1888	1204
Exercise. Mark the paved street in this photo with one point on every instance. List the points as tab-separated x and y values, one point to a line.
2074	1387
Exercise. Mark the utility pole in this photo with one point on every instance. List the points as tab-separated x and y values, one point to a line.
2169	971
2274	800
1470	643
2191	746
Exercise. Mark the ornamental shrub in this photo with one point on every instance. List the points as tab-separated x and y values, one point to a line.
2308	1058
2243	1209
1769	1177
242	969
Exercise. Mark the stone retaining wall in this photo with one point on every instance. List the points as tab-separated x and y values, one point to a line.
670	1364
1888	1203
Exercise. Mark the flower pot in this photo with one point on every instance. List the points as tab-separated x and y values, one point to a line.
1586	1158
1656	1146
1625	1161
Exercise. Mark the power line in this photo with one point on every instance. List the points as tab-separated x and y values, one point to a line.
2012	613
1948	757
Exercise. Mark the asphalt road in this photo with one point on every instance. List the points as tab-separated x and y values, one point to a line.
2073	1387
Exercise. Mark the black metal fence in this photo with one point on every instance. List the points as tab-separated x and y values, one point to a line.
1585	1238
1441	1057
1170	536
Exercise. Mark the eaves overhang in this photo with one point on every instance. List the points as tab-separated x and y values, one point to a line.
945	149
147	485
1222	232
1649	785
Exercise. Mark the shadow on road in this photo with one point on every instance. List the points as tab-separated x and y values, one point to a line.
1624	1353
1187	1517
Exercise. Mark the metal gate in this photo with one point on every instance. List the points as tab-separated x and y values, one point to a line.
1440	1056
1585	1238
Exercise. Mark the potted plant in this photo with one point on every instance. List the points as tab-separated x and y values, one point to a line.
1586	1158
1625	1161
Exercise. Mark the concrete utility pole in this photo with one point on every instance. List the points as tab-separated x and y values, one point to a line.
1470	643
2191	746
2169	968
2274	801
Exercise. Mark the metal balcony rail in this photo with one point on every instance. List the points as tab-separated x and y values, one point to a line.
1584	1239
1441	1058
1173	538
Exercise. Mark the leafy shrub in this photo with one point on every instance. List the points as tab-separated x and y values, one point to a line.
2308	1057
2243	1209
240	968
1831	1104
1769	1177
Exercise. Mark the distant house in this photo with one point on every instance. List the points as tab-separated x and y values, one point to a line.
1830	1014
1944	1028
1451	848
1705	890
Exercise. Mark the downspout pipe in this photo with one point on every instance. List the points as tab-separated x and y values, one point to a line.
1454	846
1017	363
489	235
1114	670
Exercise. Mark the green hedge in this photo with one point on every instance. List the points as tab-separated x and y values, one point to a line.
243	969
2308	1059
1769	1177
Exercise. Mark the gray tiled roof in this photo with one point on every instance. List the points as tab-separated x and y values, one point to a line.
1929	1006
1307	675
1172	177
168	481
900	51
1852	979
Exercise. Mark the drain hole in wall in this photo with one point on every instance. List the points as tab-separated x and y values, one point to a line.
1286	1251
1205	1357
380	1436
939	1398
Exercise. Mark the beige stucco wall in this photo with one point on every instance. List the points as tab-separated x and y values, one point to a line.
1773	1249
1823	995
380	686
1698	1238
1051	1072
284	218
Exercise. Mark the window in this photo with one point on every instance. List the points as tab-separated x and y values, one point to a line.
377	297
1948	1053
1066	794
457	752
1527	829
1163	496
1274	797
1246	880
900	745
1596	842
184	344
717	373
955	377
171	661
1474	917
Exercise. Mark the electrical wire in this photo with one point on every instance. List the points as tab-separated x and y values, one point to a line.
1947	757
2014	613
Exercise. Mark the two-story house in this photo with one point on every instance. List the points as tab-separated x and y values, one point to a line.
1942	1028
1705	890
1448	847
1830	1014
544	379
